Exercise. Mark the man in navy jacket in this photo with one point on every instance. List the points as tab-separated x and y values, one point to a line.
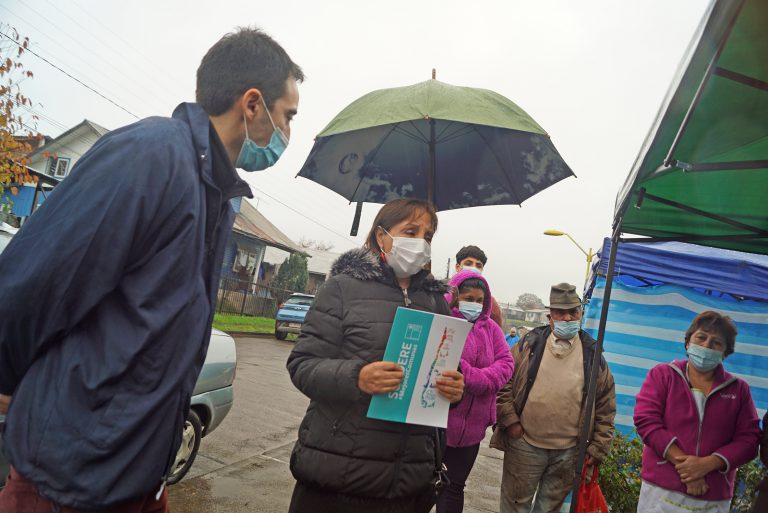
108	290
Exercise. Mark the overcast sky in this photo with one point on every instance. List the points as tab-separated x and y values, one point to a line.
592	73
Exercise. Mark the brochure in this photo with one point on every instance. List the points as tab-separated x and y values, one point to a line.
425	345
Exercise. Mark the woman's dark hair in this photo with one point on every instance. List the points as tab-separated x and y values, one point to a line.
395	212
714	322
240	61
472	283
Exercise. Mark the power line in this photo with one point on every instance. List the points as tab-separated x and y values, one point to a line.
56	35
122	56
261	191
61	126
144	58
53	40
69	75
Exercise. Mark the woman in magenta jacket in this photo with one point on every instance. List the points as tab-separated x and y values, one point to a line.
487	365
698	424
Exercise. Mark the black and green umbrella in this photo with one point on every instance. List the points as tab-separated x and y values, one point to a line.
454	146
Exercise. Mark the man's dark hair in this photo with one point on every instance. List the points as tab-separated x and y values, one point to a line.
473	252
240	61
714	322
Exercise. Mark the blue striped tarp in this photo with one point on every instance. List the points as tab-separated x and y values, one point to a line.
646	326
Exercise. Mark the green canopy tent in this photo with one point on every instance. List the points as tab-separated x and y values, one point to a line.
702	173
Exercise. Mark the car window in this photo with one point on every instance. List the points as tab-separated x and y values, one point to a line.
304	301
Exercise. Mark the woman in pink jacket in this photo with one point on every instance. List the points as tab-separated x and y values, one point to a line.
487	365
698	424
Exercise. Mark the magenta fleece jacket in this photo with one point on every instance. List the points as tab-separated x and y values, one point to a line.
487	365
665	412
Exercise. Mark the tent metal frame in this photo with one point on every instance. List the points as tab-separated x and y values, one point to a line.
718	166
670	163
643	195
711	70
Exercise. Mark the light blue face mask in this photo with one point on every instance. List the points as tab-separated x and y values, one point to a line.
566	330
703	358
253	157
473	269
470	310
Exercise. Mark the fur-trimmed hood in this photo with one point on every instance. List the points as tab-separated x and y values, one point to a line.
362	264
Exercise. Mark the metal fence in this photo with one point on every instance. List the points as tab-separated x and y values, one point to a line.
240	297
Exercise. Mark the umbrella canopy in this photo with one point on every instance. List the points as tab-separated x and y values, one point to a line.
455	146
702	174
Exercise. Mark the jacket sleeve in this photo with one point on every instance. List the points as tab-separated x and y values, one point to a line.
490	379
314	364
746	437
605	414
80	243
506	415
650	404
764	441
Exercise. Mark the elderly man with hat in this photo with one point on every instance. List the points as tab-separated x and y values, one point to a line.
541	410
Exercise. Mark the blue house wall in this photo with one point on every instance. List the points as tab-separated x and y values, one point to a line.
22	201
239	241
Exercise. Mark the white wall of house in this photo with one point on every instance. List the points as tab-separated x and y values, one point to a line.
536	315
57	157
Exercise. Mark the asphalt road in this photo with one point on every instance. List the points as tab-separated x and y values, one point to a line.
243	465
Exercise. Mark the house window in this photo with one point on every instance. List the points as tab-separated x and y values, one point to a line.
50	166
245	260
62	167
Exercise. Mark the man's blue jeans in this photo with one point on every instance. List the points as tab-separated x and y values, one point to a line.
527	468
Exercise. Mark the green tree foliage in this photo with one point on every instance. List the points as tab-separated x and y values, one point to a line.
620	477
293	274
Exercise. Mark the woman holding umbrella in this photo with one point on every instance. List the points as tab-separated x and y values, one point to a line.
698	424
344	461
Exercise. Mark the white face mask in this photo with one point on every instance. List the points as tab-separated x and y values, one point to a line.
408	255
470	310
471	268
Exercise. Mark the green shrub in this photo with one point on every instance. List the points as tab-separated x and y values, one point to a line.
747	478
620	477
620	474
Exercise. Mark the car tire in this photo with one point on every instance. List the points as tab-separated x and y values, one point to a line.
280	335
190	443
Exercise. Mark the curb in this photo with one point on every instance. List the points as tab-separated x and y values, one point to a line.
249	334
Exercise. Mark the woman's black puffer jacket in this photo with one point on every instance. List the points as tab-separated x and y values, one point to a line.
339	449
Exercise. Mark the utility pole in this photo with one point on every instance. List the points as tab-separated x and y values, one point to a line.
448	268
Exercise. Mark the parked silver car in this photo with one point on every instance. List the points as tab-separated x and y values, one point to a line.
211	401
6	234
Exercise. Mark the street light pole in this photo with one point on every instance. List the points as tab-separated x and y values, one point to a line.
588	254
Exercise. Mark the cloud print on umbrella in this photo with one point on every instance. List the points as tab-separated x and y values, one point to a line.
429	141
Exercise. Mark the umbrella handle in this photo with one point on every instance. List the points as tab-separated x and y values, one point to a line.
356	220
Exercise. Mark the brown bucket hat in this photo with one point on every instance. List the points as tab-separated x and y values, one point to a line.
563	296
